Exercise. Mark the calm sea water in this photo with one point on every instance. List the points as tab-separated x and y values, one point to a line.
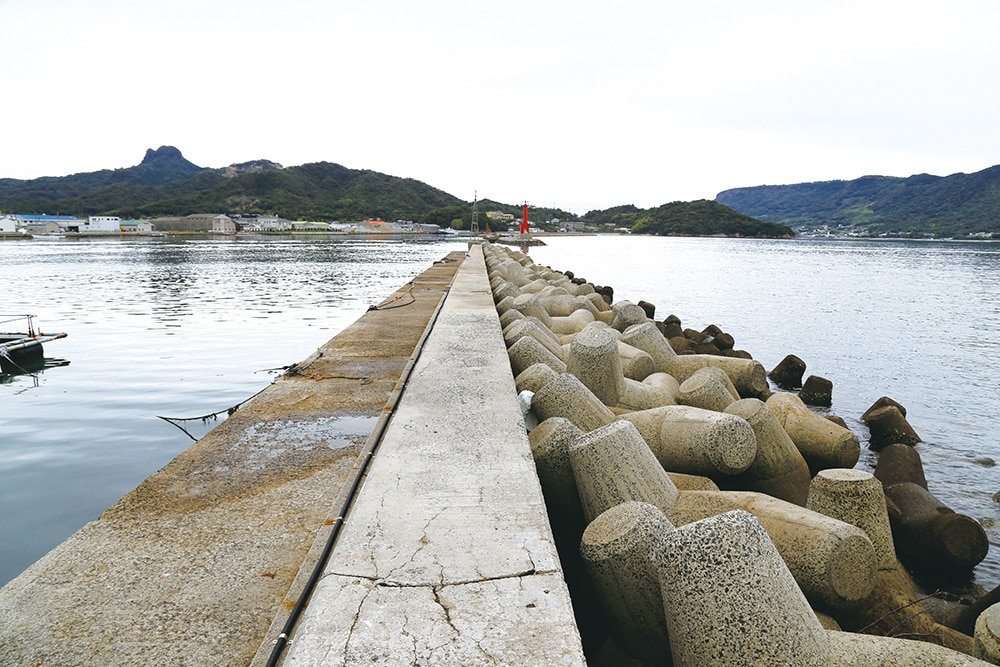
183	328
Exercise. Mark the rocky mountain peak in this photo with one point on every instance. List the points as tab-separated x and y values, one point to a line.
161	166
162	153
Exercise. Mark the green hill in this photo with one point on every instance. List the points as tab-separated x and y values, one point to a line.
695	218
317	191
167	184
918	206
164	165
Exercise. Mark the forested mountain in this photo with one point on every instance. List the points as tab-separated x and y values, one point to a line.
167	184
162	166
317	191
959	205
694	218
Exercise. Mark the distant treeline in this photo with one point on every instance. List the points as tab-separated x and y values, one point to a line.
695	218
923	205
166	184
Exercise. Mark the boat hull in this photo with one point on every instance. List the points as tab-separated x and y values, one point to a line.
21	353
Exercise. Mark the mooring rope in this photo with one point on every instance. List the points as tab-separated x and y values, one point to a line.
409	293
213	416
292	369
15	318
24	371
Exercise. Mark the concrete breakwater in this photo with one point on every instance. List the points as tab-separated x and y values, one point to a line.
447	556
635	428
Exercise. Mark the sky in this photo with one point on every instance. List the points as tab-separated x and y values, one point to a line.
577	105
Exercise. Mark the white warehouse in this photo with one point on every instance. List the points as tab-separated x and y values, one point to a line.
102	223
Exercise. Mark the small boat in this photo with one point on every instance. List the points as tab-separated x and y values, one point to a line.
22	352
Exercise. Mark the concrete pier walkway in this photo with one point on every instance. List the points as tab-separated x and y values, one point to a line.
199	563
447	557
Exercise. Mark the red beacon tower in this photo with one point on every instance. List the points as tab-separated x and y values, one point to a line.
524	220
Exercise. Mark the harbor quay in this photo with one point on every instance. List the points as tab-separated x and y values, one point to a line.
445	557
501	465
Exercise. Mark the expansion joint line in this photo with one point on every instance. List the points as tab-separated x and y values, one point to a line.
371	447
388	583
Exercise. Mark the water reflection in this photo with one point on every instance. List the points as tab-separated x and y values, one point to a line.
31	377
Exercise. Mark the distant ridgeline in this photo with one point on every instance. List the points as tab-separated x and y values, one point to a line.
166	184
694	218
956	206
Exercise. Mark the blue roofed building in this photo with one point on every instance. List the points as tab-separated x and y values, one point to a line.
48	224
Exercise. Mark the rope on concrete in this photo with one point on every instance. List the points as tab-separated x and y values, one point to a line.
409	293
213	416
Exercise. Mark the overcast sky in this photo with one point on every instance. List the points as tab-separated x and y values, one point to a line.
579	105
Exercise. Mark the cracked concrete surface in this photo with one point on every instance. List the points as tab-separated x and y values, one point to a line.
510	621
447	557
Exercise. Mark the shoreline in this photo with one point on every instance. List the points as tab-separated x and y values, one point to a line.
460	235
